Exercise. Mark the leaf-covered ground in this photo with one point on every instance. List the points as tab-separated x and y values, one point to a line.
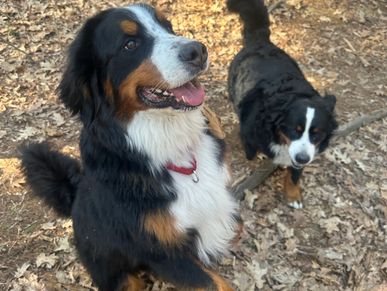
338	242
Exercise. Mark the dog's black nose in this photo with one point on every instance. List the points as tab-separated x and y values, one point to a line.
194	53
302	158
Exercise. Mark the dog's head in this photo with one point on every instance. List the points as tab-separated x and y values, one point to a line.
129	59
307	127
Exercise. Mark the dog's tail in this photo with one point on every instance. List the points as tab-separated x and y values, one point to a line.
255	19
52	176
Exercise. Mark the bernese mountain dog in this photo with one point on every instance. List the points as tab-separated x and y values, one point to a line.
151	192
280	113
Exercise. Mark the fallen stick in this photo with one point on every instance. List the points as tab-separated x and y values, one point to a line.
255	179
360	121
267	167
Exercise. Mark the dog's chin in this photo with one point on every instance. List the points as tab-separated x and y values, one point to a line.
186	97
297	165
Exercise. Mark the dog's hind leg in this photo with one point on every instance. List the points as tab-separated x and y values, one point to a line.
111	274
188	274
132	283
292	187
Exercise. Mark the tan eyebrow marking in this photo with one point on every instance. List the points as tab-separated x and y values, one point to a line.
160	15
129	27
316	130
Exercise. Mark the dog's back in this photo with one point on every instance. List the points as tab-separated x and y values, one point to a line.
260	64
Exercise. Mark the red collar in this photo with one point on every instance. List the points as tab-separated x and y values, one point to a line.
184	170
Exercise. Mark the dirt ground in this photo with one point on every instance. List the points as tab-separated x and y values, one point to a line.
337	242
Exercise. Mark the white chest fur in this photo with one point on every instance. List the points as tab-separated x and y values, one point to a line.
206	206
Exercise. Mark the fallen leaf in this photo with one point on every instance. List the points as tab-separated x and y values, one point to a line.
257	272
331	224
250	197
63	245
48	226
47	261
58	118
285	231
21	270
331	254
27	132
62	277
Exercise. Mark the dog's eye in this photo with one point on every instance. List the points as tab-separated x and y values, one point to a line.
316	137
296	132
131	45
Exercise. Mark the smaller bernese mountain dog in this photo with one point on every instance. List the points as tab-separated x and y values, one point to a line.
280	113
151	192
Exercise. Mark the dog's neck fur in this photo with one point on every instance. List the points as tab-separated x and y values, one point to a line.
166	135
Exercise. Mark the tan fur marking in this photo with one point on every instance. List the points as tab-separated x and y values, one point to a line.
292	191
162	225
133	283
146	75
160	15
316	130
213	123
283	138
220	283
129	27
215	127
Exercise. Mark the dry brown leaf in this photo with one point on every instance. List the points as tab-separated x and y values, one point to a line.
46	261
21	270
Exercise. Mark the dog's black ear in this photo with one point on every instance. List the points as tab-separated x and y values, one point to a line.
329	102
75	87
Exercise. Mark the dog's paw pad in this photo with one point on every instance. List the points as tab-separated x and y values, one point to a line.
296	204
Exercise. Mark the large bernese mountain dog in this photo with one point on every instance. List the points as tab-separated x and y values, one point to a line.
151	191
281	114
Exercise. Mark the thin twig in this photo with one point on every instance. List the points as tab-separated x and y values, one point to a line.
12	45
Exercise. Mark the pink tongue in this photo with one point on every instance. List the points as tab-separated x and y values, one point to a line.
189	94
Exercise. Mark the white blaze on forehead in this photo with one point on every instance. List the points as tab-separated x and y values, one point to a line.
166	47
309	119
303	144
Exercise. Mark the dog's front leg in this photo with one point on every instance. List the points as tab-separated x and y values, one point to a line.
292	187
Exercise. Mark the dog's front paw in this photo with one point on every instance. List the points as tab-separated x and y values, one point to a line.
296	204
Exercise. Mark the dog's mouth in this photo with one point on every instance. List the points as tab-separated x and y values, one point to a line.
186	97
297	165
